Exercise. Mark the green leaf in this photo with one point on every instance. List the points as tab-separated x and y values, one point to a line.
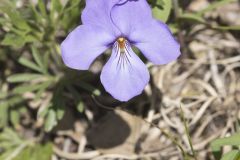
70	10
25	154
216	145
237	28
14	118
174	28
60	112
37	58
11	136
46	60
41	90
23	77
5	155
8	8
17	40
232	155
56	8
47	149
192	17
3	21
13	101
51	120
43	111
3	114
30	88
186	128
13	40
37	152
42	8
25	62
80	106
3	95
162	12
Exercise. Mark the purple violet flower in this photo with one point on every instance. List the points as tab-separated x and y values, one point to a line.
120	24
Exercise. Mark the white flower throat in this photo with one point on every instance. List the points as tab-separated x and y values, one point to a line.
122	48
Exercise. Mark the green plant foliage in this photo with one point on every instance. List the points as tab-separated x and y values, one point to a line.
233	141
162	9
33	29
37	152
3	115
35	82
198	17
231	155
13	147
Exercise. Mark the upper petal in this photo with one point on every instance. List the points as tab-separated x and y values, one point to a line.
129	15
83	45
124	75
97	12
156	42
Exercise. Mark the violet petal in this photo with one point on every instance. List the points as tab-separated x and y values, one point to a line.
129	15
124	75
83	45
97	13
156	42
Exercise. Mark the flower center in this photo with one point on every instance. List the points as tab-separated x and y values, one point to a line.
122	47
121	43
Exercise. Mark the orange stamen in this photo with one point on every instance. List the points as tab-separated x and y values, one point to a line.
121	42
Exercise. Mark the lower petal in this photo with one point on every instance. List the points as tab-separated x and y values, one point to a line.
83	45
124	75
156	42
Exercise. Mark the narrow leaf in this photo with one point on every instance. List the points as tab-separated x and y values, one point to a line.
216	145
30	88
232	155
37	57
23	77
25	62
51	120
162	12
